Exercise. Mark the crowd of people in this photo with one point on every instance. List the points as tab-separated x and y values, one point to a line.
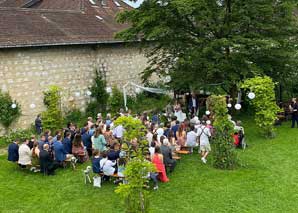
102	142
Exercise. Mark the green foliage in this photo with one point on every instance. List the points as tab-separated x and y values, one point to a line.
145	101
8	114
264	103
219	41
116	100
223	149
135	197
99	93
133	193
20	134
74	116
52	118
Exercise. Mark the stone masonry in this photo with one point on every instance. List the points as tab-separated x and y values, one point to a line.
26	72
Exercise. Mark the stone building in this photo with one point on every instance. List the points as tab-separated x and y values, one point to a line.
62	42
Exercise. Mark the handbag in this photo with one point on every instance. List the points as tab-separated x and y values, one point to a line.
97	181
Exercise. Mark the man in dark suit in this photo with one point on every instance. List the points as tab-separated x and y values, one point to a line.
67	142
13	151
60	153
38	124
47	165
167	155
294	110
193	104
86	138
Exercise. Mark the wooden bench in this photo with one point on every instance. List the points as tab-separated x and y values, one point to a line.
176	158
184	152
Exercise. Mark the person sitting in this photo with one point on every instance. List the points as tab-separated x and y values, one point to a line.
24	154
96	162
13	151
60	153
99	141
78	148
35	155
167	155
191	138
107	165
67	142
47	165
42	142
157	160
113	153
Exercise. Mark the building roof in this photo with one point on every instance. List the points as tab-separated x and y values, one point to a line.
25	23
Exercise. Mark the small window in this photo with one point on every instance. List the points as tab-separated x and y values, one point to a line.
117	4
92	2
100	18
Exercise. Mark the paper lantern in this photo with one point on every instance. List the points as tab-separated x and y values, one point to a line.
13	106
168	79
201	91
237	106
138	90
88	93
77	94
32	106
251	95
229	105
109	90
208	93
207	112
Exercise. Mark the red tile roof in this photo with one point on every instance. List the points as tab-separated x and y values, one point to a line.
58	22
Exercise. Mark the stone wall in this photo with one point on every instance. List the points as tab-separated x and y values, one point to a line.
26	72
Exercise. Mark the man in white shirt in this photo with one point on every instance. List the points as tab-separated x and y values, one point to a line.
204	133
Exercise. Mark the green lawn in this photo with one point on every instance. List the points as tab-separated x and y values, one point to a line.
267	182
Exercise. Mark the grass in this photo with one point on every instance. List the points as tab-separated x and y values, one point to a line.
267	182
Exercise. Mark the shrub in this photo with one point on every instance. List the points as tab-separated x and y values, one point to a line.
98	92
52	118
8	114
223	148
75	116
116	100
264	103
21	134
133	193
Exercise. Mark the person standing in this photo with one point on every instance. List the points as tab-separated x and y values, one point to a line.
294	110
38	124
193	104
204	133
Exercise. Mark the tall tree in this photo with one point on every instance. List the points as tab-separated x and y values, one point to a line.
215	41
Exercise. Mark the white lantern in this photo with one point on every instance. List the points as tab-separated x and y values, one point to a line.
13	106
229	105
168	79
88	93
237	106
138	90
77	94
201	91
32	106
207	112
208	93
109	90
251	95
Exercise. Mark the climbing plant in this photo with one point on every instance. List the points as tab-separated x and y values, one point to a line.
99	93
52	118
133	193
224	155
264	103
10	110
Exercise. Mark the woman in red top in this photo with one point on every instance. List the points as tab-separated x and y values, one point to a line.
157	160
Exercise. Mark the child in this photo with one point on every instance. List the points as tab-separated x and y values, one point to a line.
121	169
204	133
96	162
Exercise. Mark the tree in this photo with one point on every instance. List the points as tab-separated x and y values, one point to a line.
264	103
52	118
223	149
133	193
10	110
215	41
98	91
